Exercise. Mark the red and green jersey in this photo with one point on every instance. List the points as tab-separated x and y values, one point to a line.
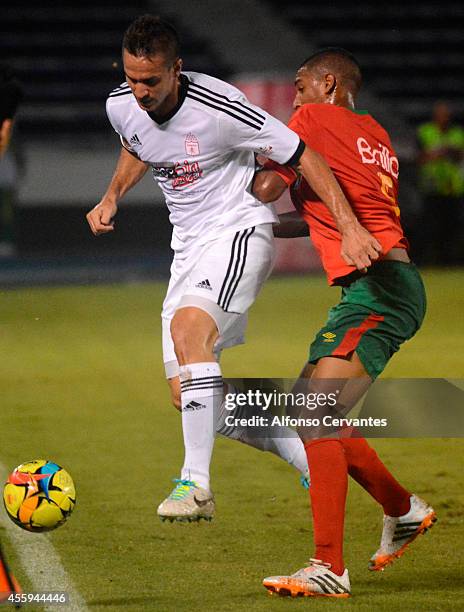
361	156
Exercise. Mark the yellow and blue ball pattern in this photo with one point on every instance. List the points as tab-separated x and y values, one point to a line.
39	495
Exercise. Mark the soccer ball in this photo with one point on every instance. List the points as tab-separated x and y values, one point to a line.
39	495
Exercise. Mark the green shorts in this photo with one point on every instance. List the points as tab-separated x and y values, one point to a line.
376	314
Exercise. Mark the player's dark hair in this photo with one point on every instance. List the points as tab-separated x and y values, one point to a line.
341	61
149	35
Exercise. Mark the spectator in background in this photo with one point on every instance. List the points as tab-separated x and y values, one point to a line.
441	182
10	97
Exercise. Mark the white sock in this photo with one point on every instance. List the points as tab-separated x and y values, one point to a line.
201	396
291	449
285	443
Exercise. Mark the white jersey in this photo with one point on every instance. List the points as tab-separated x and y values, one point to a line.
202	154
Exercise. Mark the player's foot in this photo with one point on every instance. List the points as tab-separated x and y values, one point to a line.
187	503
315	580
305	480
398	532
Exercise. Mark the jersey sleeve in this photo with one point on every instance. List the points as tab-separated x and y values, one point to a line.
249	128
113	119
287	174
299	124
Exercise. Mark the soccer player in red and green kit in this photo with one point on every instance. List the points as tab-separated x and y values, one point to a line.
380	308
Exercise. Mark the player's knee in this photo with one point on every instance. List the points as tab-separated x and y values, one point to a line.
191	336
185	338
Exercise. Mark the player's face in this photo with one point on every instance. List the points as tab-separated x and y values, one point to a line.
153	80
310	88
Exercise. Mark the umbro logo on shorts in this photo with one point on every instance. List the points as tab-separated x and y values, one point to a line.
135	141
329	337
205	284
191	406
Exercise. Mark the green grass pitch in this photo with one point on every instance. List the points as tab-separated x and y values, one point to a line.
82	383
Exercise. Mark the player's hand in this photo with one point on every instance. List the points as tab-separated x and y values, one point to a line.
359	247
100	218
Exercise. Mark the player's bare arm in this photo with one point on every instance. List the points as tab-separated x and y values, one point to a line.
129	171
269	186
359	247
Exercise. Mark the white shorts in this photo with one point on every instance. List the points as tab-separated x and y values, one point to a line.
223	278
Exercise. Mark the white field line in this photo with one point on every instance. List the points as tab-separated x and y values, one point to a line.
41	562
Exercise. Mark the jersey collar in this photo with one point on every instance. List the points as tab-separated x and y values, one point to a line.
159	119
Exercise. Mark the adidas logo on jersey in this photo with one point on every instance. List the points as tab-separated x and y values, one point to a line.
135	141
205	284
191	406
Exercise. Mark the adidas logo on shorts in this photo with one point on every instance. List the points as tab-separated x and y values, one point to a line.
191	406
205	284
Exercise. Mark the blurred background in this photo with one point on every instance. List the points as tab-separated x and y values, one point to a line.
65	57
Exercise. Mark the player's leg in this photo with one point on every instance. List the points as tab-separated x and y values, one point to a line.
193	333
225	283
281	442
395	293
364	465
326	574
286	446
220	282
180	504
327	462
375	315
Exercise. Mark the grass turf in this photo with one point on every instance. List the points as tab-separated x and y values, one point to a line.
82	383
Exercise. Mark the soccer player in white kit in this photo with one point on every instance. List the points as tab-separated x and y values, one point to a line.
199	135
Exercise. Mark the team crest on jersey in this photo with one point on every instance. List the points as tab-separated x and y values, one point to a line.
192	146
